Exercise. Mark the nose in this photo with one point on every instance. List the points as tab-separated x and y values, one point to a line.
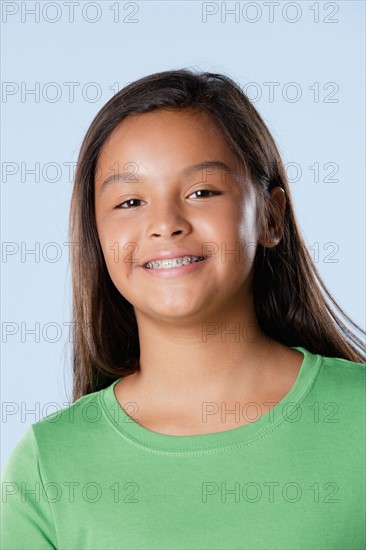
167	219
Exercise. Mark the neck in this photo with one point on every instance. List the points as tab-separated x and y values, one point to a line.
216	358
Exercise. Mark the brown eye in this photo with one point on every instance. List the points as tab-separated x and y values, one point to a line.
206	191
126	202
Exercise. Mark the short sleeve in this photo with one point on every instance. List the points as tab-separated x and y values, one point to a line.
26	516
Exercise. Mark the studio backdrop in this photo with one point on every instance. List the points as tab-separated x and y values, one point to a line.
301	64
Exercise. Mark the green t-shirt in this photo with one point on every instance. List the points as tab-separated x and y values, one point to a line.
90	477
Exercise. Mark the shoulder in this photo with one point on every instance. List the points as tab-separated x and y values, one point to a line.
84	415
340	386
333	375
343	374
59	434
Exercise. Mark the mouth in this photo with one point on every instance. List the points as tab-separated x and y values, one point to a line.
174	262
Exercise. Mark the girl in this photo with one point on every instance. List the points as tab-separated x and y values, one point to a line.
218	398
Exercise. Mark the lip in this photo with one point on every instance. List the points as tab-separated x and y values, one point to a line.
179	271
171	254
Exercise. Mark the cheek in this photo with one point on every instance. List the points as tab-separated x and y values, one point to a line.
118	265
243	239
247	224
115	256
106	240
121	253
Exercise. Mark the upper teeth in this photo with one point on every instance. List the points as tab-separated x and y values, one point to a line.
173	262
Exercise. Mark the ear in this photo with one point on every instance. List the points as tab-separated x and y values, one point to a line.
275	221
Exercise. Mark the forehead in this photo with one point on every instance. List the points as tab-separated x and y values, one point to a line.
159	134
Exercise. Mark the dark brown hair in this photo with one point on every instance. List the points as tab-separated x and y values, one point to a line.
290	297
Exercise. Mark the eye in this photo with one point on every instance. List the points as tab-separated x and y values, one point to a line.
126	202
129	201
206	191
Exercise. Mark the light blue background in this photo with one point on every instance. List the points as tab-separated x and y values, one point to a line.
167	35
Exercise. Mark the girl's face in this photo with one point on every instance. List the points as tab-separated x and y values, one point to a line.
164	204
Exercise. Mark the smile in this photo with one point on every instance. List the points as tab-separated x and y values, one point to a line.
175	262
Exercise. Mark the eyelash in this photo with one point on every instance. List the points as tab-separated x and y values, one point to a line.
204	190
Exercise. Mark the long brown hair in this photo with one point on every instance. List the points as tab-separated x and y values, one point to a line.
290	297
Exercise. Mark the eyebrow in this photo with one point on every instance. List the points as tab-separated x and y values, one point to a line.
128	177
